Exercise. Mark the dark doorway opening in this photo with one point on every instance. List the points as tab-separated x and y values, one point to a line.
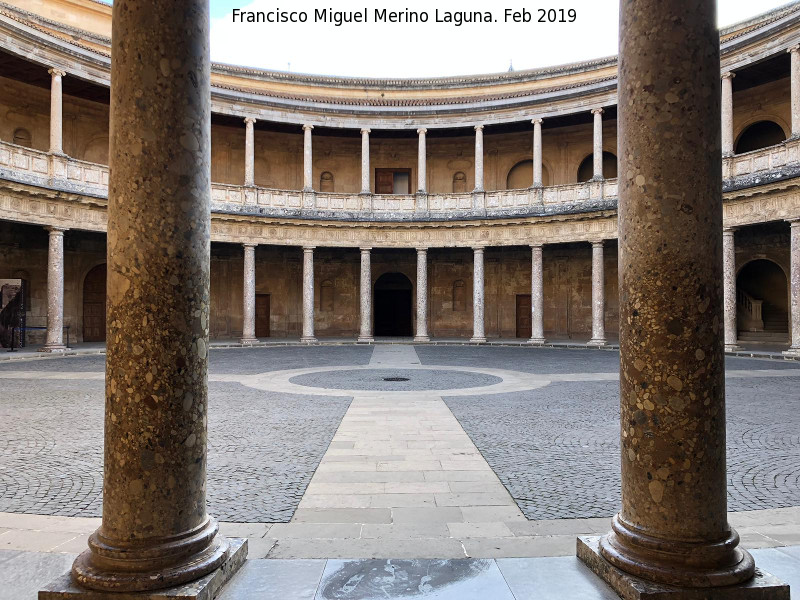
94	305
393	292
762	134
524	316
762	302
262	315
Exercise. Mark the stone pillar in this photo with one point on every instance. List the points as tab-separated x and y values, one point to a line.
56	112
365	189
794	51
598	296
479	158
54	342
308	295
422	162
729	289
155	531
249	295
673	526
537	296
537	152
598	143
794	287
422	296
366	297
249	152
478	332
308	170
727	114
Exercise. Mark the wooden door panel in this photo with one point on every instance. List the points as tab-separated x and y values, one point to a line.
262	315
523	316
94	305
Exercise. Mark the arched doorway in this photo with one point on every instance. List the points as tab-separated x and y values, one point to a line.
762	302
586	168
521	176
393	293
761	134
94	305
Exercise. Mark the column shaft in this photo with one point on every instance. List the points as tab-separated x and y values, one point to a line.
537	296
478	330
365	187
479	158
794	51
598	143
54	342
794	285
727	114
729	289
598	296
366	297
308	170
249	152
537	153
422	162
308	295
56	112
249	295
422	296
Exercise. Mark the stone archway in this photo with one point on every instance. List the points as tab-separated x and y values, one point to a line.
94	305
393	305
762	302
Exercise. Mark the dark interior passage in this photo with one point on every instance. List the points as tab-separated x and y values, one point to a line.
393	295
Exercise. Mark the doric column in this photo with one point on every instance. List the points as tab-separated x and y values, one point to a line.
537	296
249	152
794	293
155	531
422	296
249	295
422	162
794	51
54	342
537	152
673	526
308	171
365	290
598	143
479	158
308	295
56	112
365	189
598	296
478	330
729	289
727	114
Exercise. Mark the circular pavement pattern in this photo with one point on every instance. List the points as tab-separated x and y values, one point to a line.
395	380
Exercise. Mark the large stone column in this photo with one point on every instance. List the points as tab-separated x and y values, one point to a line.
308	170
365	292
479	158
537	152
308	295
794	51
422	162
365	188
598	296
249	152
54	342
478	330
727	114
422	296
598	143
537	296
794	292
729	289
673	526
155	531
56	112
249	295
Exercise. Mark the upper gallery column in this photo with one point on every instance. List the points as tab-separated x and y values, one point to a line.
308	171
598	143
727	113
729	289
794	293
155	531
422	162
365	290
308	295
537	152
249	152
422	296
598	296
249	295
54	342
479	158
794	51
56	112
365	189
478	329
673	526
537	296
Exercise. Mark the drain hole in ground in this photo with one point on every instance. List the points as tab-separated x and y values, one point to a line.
395	378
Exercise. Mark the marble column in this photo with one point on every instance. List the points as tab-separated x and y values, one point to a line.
537	296
794	292
422	162
56	112
597	153
308	295
478	329
365	292
54	341
537	152
365	188
729	289
422	296
598	296
794	51
308	169
672	528
249	152
155	531
249	295
727	114
479	158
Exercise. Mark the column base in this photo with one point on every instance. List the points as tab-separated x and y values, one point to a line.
205	588
477	340
308	340
53	348
762	586
793	352
598	343
422	338
732	348
536	341
248	341
365	340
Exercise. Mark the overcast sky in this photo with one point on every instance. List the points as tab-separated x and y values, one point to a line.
425	49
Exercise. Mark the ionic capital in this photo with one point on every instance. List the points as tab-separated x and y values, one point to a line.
597	111
478	127
366	130
249	120
794	48
56	72
728	75
307	127
537	121
422	131
56	230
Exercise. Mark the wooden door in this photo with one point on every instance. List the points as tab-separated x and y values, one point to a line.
262	315
94	305
524	316
384	181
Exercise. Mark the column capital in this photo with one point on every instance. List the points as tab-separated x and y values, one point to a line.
56	72
729	230
794	48
365	130
422	131
249	120
794	222
421	249
478	127
537	246
307	127
537	121
478	249
249	244
365	249
308	248
728	75
598	243
597	111
56	229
